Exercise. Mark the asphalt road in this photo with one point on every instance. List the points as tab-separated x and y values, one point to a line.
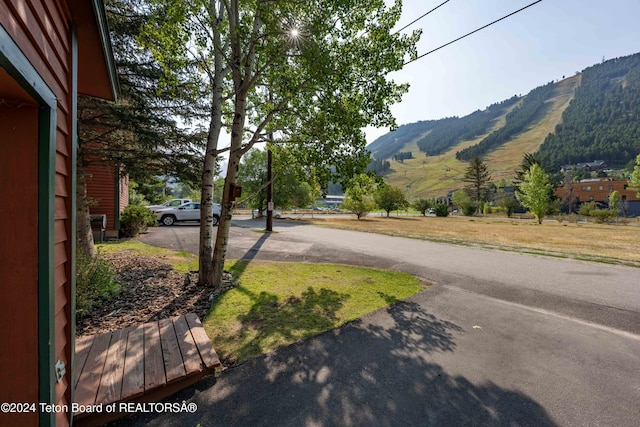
501	338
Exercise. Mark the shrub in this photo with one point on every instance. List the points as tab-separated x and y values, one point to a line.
604	215
442	209
136	219
586	208
599	215
95	281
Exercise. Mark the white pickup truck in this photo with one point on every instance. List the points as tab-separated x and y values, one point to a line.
187	212
173	203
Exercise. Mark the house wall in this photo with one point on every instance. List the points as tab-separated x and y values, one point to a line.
19	260
42	30
101	191
598	191
108	195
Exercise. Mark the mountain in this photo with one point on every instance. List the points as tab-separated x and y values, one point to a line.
592	115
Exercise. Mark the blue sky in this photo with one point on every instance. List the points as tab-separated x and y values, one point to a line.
542	43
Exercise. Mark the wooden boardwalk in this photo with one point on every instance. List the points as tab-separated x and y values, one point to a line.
142	363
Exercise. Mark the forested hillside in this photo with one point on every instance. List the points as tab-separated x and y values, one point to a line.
386	146
448	132
603	120
526	114
594	115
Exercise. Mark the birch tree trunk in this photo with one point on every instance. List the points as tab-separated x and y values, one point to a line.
84	235
205	266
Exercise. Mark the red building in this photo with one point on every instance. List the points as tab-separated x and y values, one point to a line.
598	190
50	50
109	192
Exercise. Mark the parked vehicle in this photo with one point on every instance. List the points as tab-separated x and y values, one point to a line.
173	203
256	214
187	212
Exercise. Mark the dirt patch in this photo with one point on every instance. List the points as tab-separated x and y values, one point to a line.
150	290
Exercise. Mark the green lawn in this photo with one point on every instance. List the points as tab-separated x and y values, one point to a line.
277	304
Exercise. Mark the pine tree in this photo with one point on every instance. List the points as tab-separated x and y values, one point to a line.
478	177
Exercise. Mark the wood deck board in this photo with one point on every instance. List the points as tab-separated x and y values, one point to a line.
133	383
173	363
90	376
154	375
207	353
140	364
192	361
111	384
83	345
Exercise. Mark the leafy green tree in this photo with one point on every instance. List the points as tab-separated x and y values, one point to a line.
389	198
312	74
253	178
358	199
423	205
635	176
289	191
614	201
461	200
507	202
442	210
534	192
478	177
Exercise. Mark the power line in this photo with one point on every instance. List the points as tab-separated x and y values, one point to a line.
472	32
416	20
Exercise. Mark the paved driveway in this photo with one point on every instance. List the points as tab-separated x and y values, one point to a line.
500	339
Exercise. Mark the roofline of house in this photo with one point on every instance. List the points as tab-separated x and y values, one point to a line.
100	14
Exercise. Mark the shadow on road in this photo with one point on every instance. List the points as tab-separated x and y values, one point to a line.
362	374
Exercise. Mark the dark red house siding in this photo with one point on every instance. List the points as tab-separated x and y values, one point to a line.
101	190
42	30
19	261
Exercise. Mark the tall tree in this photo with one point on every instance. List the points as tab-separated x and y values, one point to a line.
534	192
253	178
461	200
528	160
309	73
635	176
389	198
422	205
289	190
358	199
139	135
478	177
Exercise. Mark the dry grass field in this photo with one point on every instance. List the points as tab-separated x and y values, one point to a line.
619	244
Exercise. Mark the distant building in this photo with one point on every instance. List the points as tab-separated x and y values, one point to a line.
108	189
594	166
597	190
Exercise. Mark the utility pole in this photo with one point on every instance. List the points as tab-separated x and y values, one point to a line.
269	187
269	226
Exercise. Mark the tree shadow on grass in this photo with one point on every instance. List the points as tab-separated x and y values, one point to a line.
271	320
